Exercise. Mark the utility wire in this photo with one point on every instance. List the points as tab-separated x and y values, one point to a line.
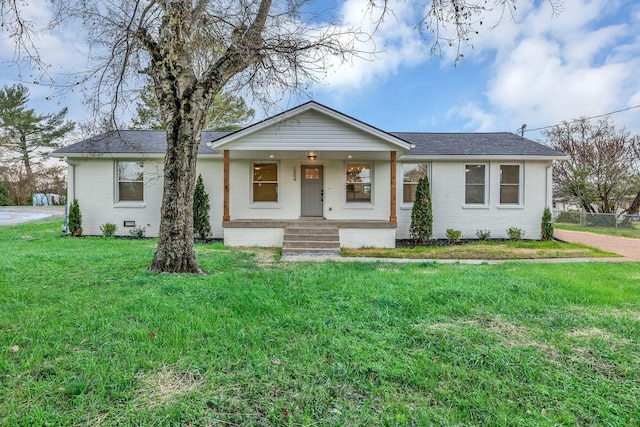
577	120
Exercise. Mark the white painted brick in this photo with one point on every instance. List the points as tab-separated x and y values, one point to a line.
264	237
367	238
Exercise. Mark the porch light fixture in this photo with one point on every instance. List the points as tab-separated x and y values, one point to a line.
312	155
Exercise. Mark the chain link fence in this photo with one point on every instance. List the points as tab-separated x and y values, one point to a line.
587	219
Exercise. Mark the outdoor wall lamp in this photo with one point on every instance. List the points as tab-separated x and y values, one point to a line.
312	155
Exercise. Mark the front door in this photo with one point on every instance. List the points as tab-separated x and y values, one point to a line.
312	193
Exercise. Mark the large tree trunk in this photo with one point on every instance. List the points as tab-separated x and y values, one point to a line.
175	252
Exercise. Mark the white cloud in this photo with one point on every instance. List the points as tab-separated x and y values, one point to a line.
561	68
395	42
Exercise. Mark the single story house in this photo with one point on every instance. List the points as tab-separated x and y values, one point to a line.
316	167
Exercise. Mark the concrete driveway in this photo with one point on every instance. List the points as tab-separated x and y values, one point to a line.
628	248
10	215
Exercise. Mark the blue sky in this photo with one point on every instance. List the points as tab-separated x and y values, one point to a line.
540	71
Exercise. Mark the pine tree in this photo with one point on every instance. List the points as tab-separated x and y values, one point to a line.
201	208
546	228
422	215
228	112
25	134
75	219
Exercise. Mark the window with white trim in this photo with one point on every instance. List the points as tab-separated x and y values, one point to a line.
510	180
358	183
411	174
475	186
265	182
130	182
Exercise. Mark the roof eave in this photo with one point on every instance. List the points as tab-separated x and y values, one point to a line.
485	157
124	155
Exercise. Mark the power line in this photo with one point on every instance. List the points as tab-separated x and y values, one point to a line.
577	120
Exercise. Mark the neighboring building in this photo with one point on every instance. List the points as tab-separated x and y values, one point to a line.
313	162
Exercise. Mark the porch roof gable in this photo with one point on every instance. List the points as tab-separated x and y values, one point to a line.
313	127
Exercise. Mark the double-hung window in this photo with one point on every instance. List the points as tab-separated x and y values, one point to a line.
130	182
265	182
475	186
510	180
358	183
411	174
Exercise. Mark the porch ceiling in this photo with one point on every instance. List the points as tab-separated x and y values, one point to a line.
302	155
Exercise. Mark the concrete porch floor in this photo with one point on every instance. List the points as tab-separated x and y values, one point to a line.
312	222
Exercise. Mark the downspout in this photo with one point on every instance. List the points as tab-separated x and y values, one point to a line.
549	187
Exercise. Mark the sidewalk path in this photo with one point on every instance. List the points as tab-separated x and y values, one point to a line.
629	248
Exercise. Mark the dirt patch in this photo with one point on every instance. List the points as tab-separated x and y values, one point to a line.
588	334
264	257
162	387
510	335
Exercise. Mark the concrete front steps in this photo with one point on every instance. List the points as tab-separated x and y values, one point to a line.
311	239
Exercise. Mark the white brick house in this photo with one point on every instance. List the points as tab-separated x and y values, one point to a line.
315	163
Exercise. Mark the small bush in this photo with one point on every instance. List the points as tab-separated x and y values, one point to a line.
108	229
483	234
515	233
5	198
75	219
138	232
546	227
453	235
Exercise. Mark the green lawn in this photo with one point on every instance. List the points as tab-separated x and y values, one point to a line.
89	337
633	232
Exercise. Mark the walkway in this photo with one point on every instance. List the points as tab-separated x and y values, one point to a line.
629	248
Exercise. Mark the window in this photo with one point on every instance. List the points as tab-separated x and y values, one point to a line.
475	192
311	173
509	184
130	182
411	174
358	183
265	182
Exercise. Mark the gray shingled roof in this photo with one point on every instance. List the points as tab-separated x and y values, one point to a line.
474	144
426	144
134	142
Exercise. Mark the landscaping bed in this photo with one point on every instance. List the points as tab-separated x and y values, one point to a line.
481	250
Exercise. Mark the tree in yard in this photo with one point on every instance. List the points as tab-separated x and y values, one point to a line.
228	112
193	49
546	226
75	219
422	213
604	168
24	135
201	208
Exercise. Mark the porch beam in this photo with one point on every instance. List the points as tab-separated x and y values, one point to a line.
225	209
392	216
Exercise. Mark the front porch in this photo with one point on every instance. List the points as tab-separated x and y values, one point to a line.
272	233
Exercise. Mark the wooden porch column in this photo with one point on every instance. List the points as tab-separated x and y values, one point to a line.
393	217
225	209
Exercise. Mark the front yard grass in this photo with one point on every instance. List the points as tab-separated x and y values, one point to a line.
88	336
631	232
486	250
